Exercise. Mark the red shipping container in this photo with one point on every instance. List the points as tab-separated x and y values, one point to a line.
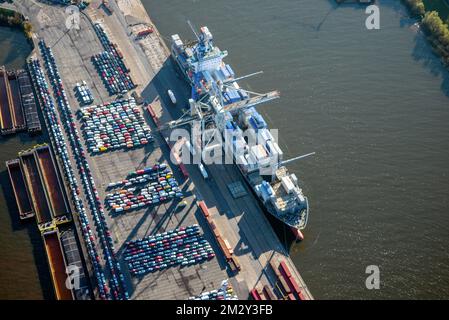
285	269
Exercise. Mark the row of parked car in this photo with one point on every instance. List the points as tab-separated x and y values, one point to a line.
225	292
116	79
111	66
49	111
141	176
183	247
113	126
116	283
152	189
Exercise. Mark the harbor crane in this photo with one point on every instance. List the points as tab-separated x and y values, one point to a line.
206	106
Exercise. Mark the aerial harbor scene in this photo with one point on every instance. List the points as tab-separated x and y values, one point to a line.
224	150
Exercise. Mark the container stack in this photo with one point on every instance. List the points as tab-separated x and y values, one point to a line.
118	125
183	247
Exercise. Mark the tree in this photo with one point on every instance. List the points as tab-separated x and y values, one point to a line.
28	28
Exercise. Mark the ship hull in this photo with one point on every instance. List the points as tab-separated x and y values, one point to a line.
296	229
267	207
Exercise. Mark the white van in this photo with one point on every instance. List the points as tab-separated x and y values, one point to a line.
172	96
203	171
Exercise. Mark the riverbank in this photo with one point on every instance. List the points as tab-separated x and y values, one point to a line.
431	18
11	18
442	7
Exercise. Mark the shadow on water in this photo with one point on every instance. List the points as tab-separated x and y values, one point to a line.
423	53
30	227
13	37
396	6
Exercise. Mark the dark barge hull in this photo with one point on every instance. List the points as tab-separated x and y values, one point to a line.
19	188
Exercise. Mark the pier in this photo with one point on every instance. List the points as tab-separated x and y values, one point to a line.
240	221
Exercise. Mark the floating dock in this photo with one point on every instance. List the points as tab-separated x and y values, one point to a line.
19	188
57	265
28	102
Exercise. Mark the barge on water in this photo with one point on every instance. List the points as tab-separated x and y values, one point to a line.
52	182
57	264
45	186
39	191
28	102
35	186
73	258
17	103
19	188
6	116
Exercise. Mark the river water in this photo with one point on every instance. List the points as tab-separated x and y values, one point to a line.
373	105
23	268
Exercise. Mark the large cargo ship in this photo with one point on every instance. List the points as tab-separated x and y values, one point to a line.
218	102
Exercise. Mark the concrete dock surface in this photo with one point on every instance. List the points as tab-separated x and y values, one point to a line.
241	221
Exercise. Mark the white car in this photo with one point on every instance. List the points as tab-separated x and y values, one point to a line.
172	96
203	171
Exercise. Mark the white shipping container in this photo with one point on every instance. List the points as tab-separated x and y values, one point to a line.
287	184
